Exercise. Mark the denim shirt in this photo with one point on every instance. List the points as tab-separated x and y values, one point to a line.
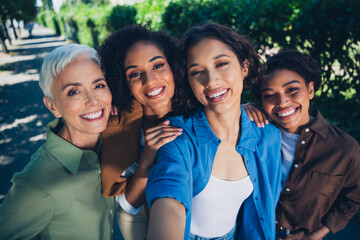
184	166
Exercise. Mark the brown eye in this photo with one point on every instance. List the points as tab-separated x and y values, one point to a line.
157	66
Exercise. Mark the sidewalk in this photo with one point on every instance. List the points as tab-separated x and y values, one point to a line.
23	116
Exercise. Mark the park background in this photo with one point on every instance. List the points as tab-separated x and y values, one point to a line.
329	30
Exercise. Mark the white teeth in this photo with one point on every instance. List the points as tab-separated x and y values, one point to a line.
92	115
285	114
218	94
155	92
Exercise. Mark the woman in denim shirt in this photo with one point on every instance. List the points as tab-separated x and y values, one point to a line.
221	178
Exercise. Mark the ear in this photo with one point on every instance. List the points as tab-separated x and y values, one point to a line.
51	106
311	90
245	68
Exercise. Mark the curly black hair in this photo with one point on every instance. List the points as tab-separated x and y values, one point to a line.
239	44
290	59
113	52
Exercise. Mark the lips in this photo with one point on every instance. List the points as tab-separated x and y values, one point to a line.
217	95
155	92
287	113
93	115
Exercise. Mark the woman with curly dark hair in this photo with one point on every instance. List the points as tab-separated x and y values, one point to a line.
138	68
221	178
321	163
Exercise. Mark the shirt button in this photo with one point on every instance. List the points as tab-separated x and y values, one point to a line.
303	142
296	165
281	228
111	211
307	130
99	171
112	231
254	180
247	161
287	189
276	222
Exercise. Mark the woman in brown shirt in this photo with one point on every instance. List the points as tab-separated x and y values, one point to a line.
138	67
321	163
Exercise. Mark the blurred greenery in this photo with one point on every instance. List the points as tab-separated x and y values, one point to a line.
328	30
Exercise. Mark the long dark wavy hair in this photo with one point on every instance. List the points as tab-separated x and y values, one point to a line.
239	44
113	52
293	60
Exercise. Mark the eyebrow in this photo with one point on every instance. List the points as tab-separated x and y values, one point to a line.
215	58
284	85
151	60
79	84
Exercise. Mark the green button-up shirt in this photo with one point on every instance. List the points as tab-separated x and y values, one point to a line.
58	195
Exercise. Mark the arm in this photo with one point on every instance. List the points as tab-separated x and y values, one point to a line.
155	138
255	113
348	200
318	234
26	211
167	220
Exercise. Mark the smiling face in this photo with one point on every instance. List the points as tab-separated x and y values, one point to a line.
286	99
82	98
215	75
150	78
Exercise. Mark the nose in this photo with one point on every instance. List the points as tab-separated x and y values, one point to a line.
282	100
212	79
91	98
147	78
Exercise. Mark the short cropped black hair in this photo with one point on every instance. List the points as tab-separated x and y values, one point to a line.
113	52
239	44
293	60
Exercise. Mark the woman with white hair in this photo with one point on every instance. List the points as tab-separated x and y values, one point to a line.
58	194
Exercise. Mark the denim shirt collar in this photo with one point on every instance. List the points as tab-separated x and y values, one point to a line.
204	133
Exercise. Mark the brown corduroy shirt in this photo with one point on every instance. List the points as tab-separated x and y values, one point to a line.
323	186
120	149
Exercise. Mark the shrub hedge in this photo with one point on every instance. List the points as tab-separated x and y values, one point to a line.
328	30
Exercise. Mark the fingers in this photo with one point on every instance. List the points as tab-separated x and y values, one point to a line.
256	114
159	135
114	111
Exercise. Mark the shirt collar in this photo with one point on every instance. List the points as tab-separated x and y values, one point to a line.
66	153
319	124
247	139
204	133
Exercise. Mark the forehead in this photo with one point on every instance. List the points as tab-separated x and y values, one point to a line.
208	48
141	50
280	77
81	69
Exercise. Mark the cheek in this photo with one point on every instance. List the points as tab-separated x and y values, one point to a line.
267	107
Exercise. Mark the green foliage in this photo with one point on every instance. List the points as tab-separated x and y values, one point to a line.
328	30
18	9
149	13
121	16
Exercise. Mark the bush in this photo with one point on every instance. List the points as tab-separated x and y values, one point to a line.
121	16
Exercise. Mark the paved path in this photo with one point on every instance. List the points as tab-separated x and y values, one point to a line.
23	116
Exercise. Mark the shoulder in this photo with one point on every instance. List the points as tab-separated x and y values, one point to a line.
341	140
40	169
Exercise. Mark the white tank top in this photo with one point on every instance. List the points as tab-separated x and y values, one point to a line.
215	209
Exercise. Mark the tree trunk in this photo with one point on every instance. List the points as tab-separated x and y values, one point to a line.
6	32
2	40
14	29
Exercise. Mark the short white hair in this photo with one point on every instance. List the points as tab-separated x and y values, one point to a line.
57	60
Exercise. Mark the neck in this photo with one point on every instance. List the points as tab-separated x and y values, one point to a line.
153	117
226	126
83	142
